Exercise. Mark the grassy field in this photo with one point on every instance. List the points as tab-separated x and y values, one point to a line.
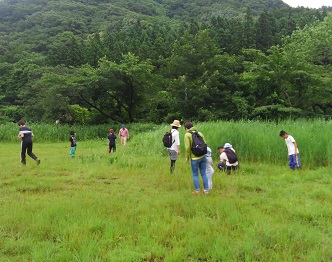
126	207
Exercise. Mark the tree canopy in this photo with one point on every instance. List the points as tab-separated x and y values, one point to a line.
93	62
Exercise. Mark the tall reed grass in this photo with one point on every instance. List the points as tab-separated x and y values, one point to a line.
255	141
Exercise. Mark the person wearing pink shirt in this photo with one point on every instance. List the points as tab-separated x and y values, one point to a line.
123	134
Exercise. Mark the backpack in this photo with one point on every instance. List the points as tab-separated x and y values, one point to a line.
198	146
231	155
167	139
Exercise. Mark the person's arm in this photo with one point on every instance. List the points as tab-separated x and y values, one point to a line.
187	145
177	141
223	157
295	147
20	135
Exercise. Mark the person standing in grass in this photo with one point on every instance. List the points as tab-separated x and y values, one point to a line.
72	140
111	138
197	162
293	151
209	167
26	134
123	134
228	156
174	150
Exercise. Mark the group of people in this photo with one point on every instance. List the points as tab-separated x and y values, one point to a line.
123	134
202	164
26	134
228	158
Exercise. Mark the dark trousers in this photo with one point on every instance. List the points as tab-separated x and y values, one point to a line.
110	147
26	147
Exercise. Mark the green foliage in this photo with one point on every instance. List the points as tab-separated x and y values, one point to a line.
131	62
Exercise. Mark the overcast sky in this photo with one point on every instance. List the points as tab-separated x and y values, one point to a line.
308	3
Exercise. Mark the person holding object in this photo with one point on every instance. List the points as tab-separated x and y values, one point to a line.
293	151
26	134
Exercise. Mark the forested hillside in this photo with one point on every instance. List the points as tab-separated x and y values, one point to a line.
93	62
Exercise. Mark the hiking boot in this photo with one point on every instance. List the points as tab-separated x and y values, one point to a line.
195	193
38	161
206	191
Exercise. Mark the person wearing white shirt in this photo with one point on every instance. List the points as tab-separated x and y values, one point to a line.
293	151
174	150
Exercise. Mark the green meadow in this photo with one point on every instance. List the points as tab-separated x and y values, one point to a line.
125	206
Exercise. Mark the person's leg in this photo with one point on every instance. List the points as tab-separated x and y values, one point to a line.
173	157
124	140
194	169
209	176
29	151
73	150
172	167
228	170
114	148
23	152
292	161
202	170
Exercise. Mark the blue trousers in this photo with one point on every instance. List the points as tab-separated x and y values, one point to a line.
199	164
293	163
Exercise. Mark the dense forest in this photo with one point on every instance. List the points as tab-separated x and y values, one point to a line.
93	62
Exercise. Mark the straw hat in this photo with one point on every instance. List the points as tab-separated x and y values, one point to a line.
176	123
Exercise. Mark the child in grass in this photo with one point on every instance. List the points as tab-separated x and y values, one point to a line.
209	167
72	140
293	151
111	138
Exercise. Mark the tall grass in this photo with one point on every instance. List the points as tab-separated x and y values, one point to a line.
255	141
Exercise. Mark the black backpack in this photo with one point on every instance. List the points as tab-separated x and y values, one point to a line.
231	155
167	139
198	146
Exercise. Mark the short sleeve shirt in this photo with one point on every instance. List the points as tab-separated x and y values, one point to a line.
290	145
175	140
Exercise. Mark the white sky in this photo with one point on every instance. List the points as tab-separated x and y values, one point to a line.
308	3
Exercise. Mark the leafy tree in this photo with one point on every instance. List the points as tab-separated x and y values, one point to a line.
128	83
67	50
